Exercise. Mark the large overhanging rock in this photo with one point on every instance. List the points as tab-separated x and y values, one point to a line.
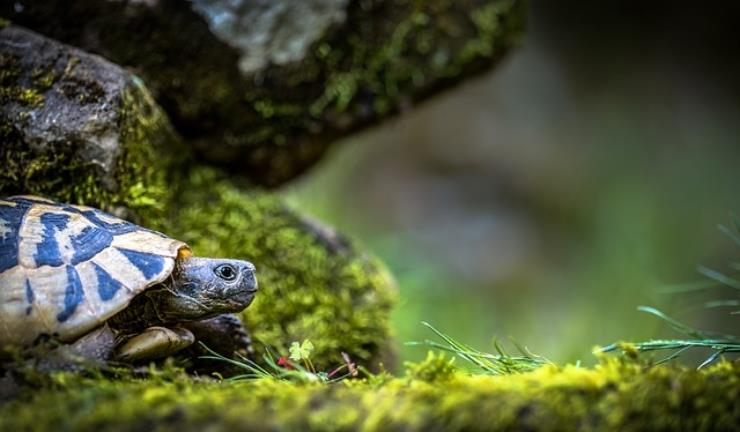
264	86
77	128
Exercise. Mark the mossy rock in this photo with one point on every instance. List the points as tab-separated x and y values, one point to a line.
314	76
314	284
115	149
614	396
78	128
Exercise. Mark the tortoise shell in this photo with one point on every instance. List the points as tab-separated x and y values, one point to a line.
65	269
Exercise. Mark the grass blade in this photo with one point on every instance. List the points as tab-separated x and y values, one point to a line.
711	358
721	303
494	364
676	325
719	277
734	235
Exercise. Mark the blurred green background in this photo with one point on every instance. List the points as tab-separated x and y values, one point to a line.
547	200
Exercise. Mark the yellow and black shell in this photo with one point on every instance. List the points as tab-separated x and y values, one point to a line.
66	269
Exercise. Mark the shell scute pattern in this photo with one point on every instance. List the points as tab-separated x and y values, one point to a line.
10	222
65	269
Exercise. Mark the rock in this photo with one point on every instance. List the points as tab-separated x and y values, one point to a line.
263	87
270	32
76	127
79	129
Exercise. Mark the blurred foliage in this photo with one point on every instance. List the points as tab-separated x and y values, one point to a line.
547	201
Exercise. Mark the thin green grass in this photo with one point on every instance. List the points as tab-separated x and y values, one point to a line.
723	279
283	369
501	363
718	343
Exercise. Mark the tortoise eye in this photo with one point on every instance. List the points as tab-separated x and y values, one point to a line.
225	272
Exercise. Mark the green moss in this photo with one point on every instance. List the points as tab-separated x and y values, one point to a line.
12	89
43	78
491	29
436	367
152	154
312	286
29	97
615	395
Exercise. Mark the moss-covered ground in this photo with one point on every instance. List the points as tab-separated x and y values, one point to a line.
615	395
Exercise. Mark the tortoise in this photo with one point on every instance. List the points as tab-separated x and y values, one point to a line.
107	289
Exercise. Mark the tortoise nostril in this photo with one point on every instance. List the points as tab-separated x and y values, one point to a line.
251	282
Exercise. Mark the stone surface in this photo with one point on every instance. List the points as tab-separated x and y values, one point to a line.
62	95
263	87
269	31
72	125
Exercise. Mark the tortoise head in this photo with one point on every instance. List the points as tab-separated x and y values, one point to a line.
205	287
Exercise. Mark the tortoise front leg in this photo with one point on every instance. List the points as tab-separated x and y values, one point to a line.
155	342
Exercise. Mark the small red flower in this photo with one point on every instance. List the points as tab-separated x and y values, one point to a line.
283	361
